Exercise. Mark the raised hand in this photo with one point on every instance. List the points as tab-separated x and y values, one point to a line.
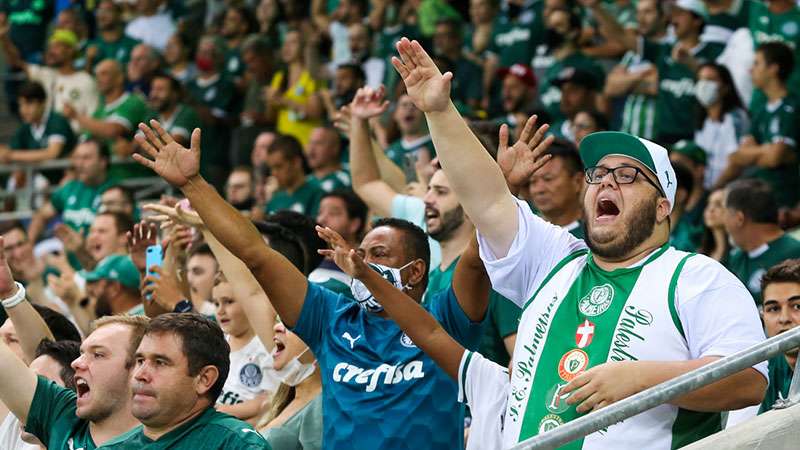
161	287
342	254
180	214
143	235
427	87
172	161
7	285
368	103
65	288
70	239
526	156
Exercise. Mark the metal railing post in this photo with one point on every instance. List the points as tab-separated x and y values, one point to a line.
662	393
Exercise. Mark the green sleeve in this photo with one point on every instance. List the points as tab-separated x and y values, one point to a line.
59	198
651	51
52	410
130	113
505	314
62	128
17	140
787	126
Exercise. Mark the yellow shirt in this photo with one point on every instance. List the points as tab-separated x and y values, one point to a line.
289	121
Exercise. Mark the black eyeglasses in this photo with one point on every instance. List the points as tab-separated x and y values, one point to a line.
621	174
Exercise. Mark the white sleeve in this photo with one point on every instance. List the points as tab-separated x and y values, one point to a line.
480	381
718	314
537	248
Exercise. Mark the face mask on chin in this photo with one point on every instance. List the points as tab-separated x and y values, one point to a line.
296	372
365	298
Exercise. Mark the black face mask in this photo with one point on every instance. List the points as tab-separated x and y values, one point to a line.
553	39
246	205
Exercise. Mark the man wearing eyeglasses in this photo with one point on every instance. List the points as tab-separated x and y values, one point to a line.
603	318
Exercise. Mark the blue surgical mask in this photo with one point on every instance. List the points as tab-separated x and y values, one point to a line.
365	298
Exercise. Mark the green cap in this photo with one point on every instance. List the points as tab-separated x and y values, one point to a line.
695	6
597	146
691	150
118	268
64	36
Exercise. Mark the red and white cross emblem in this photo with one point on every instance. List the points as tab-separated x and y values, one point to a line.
584	335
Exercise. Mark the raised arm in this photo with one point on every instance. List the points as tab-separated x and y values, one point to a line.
17	381
282	282
419	324
11	52
31	328
488	203
613	31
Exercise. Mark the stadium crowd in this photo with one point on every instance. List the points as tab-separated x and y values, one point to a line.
393	224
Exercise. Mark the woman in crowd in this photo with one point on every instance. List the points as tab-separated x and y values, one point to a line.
294	419
715	240
292	98
722	121
178	56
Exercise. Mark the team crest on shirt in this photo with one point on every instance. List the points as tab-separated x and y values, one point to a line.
406	341
251	375
550	422
572	364
556	401
597	301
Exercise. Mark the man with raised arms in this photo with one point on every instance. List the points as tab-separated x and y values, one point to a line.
604	322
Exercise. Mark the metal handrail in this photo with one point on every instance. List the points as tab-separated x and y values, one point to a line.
666	391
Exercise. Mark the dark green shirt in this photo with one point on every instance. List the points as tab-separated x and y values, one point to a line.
52	418
304	200
78	203
219	95
780	378
333	181
514	42
28	20
119	50
182	122
551	94
54	128
211	430
405	155
750	267
774	123
768	27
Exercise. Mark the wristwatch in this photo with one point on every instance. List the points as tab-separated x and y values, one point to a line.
183	306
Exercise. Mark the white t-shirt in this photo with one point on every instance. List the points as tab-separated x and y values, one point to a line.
719	140
713	315
10	435
251	374
154	30
78	89
483	385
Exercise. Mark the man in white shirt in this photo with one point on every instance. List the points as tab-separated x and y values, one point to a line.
603	323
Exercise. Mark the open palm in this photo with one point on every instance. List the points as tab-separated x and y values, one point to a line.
172	161
526	156
342	253
368	103
425	84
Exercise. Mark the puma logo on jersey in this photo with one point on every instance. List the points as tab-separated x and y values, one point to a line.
348	373
351	339
71	445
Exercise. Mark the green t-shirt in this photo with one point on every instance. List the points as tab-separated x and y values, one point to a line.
774	123
676	104
78	203
515	42
209	431
768	27
720	26
750	267
28	20
405	154
234	66
551	94
303	431
129	110
52	418
780	378
333	181
182	122
119	50
54	129
219	95
467	82
304	200
502	320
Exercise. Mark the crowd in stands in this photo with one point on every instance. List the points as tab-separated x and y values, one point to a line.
314	141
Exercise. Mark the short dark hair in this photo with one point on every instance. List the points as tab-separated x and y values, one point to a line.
754	198
202	249
780	54
290	148
452	22
102	147
285	242
32	91
8	226
258	45
305	229
122	221
356	208
126	192
358	72
63	352
568	153
174	84
415	246
683	176
785	272
60	326
202	342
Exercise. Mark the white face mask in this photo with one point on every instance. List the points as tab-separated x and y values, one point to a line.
296	372
706	92
365	298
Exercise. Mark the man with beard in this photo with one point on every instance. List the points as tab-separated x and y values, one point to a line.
360	41
78	200
518	94
239	189
100	409
110	41
324	159
113	287
347	79
602	323
165	100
